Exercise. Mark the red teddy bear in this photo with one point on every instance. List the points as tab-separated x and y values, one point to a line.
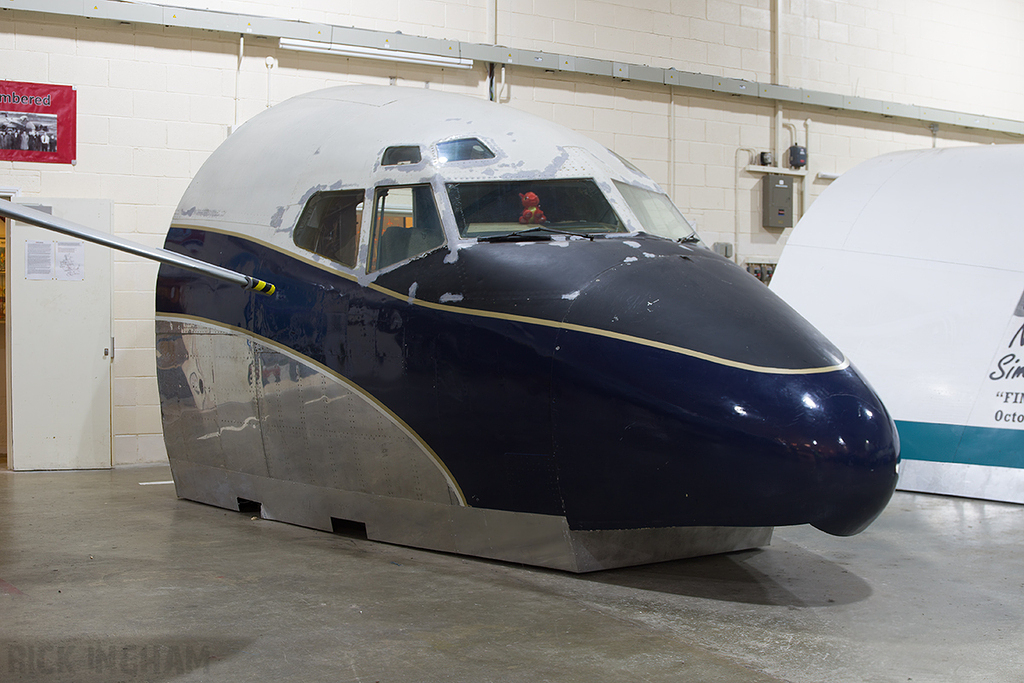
531	209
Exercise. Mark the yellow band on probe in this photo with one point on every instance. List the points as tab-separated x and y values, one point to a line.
261	287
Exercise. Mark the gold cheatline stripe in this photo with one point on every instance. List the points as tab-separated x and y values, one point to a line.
449	477
614	335
543	322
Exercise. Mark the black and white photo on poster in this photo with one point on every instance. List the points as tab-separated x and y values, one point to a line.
28	131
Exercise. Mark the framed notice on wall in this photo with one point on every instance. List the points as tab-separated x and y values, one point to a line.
37	122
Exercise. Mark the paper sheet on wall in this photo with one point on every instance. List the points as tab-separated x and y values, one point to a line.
38	260
70	260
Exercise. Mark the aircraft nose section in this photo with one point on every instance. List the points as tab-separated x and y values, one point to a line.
848	447
699	444
716	406
816	448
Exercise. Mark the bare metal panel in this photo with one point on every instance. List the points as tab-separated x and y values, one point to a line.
317	429
594	550
540	540
214	423
271	414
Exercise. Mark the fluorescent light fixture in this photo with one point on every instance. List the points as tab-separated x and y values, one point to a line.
375	53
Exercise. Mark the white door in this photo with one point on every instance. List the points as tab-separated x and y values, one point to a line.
59	341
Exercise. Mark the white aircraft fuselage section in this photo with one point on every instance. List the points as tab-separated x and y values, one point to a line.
911	261
333	140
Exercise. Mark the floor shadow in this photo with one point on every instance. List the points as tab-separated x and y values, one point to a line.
783	574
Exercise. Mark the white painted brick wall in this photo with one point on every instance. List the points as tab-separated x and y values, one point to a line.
153	102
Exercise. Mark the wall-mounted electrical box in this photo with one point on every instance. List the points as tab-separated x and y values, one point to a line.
777	200
723	249
762	271
797	156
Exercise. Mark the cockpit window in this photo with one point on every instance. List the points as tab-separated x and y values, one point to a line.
396	156
329	225
656	213
405	224
627	163
486	210
466	149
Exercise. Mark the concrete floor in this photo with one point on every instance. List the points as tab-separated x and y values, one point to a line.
102	579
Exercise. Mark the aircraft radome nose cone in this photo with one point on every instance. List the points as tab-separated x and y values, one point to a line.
843	447
858	471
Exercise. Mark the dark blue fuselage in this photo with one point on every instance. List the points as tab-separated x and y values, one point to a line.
621	382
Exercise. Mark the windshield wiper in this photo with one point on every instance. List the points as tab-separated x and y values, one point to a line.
516	234
689	239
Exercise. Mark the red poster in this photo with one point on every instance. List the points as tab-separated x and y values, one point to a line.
37	122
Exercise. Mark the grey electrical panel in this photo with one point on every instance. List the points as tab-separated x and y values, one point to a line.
725	249
777	200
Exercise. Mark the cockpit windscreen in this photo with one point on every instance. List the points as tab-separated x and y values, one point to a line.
465	149
657	214
493	209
